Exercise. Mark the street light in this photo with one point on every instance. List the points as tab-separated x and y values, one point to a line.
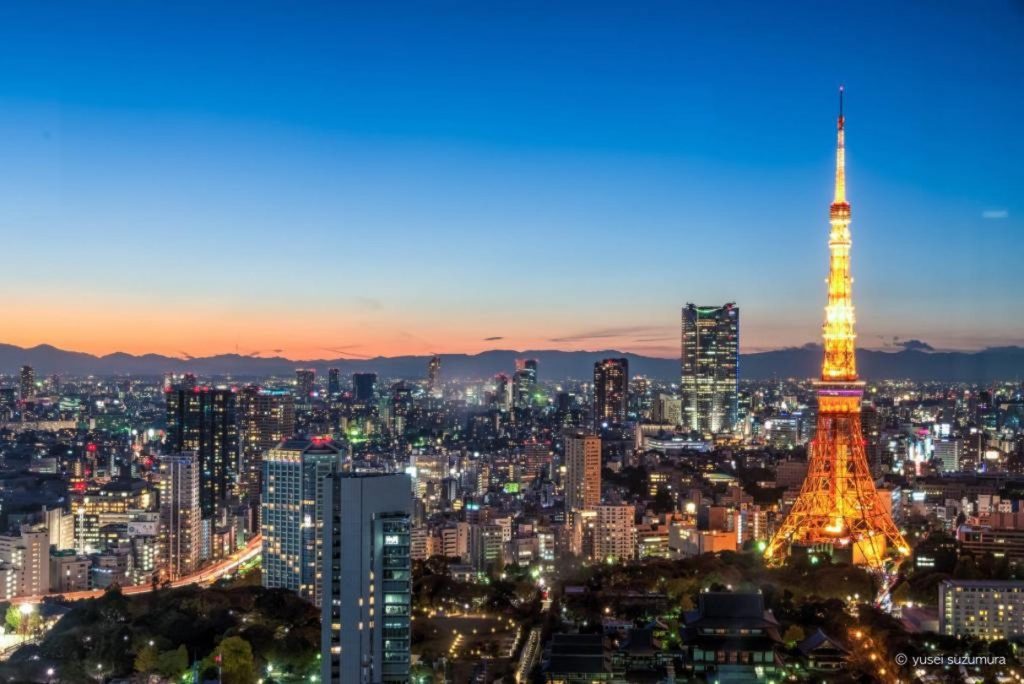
26	610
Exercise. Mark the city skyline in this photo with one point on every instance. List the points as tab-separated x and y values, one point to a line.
450	342
371	189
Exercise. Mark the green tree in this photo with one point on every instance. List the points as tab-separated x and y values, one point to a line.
237	664
15	621
794	634
173	663
147	660
12	620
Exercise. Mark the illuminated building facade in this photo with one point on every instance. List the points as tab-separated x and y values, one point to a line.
25	562
305	383
180	514
294	474
203	420
583	471
611	391
524	383
434	376
838	506
366	622
96	507
266	417
27	383
333	382
710	367
615	533
982	609
537	458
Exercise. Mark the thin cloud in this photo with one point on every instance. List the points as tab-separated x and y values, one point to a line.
369	303
603	333
494	339
995	214
915	345
258	354
342	352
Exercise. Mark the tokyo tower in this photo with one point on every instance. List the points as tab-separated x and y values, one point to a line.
838	505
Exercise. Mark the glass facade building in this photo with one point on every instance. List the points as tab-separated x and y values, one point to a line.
366	619
710	367
294	477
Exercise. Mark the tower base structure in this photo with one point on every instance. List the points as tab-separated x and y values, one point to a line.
838	508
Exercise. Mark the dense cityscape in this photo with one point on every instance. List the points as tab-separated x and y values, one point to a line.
511	343
613	528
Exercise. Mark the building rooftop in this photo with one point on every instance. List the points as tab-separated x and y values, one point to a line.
820	640
988	584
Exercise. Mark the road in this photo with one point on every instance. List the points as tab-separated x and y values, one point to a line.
206	575
531	652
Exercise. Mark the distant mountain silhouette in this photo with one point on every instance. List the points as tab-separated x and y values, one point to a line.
997	363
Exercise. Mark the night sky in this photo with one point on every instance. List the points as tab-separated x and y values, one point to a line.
392	178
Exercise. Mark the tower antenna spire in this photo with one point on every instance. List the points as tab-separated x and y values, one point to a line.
840	188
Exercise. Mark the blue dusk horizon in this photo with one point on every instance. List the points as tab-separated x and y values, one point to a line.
405	178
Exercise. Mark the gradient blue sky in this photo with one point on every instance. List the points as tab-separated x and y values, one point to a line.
413	177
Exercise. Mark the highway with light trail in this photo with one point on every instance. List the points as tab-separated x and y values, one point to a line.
206	575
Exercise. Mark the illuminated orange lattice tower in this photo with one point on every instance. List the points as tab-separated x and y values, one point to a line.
838	505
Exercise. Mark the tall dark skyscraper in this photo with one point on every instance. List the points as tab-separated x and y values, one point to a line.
333	382
28	383
710	367
524	382
364	387
204	421
434	376
305	383
265	418
366	628
611	391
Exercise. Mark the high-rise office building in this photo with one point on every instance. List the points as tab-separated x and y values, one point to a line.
366	621
294	476
28	383
583	471
611	391
265	417
364	387
203	420
537	461
333	382
305	383
434	376
524	383
180	514
710	367
503	387
667	410
948	452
